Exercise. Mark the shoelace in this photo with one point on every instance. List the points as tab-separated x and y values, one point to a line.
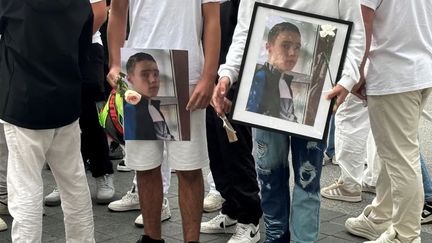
104	183
241	230
129	196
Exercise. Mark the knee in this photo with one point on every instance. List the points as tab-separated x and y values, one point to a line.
189	176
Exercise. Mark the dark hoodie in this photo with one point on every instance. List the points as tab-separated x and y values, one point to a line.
40	51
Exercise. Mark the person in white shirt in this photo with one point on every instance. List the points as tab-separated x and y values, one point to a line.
398	83
271	149
184	25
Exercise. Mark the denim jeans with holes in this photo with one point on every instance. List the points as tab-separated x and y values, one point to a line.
271	154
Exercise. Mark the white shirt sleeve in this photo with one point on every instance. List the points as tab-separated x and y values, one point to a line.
95	1
234	56
350	10
209	1
373	4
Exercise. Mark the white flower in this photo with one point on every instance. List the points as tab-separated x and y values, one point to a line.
132	97
326	30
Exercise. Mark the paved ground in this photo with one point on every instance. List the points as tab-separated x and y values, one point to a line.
119	227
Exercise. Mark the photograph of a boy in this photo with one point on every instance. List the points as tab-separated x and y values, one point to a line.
144	121
271	93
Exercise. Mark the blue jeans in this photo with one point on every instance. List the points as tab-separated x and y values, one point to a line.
271	155
427	183
330	150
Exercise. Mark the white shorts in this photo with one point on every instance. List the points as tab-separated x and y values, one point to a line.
182	155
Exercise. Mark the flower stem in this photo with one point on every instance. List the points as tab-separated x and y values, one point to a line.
328	68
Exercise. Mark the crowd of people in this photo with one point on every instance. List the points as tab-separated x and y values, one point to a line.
53	70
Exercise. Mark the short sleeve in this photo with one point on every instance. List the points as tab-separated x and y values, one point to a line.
95	1
373	4
209	1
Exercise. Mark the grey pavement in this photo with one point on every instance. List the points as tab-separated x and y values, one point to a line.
119	227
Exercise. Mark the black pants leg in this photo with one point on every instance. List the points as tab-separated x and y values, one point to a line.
233	169
94	144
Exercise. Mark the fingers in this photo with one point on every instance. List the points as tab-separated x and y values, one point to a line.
331	94
191	104
112	78
227	105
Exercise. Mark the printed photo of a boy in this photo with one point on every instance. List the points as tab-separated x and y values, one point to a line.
144	120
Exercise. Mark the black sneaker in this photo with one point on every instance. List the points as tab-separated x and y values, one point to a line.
115	151
147	239
121	166
426	216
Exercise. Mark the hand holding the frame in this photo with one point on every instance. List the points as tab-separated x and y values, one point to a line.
219	95
340	92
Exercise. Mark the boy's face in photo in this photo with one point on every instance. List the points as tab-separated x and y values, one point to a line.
284	51
145	78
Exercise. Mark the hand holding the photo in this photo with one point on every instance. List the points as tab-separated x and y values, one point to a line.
201	95
219	95
338	91
112	76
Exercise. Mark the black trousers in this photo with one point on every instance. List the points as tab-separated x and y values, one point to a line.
94	143
233	169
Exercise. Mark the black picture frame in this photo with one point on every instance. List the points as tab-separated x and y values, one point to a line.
324	42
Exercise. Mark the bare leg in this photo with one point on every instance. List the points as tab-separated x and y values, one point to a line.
191	194
150	197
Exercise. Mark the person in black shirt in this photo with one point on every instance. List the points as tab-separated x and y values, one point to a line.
42	46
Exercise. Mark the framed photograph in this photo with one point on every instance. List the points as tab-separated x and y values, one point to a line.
161	77
291	60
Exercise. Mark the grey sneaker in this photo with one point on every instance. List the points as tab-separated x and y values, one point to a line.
53	199
220	224
165	214
105	189
363	227
336	191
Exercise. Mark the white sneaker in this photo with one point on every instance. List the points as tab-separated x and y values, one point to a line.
389	236
212	202
105	189
53	199
3	225
3	207
363	227
165	214
128	202
222	223
245	233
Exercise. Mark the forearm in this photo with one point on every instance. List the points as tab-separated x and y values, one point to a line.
234	57
99	14
211	40
356	46
116	32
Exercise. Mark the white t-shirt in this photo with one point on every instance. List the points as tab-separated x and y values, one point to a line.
96	36
174	24
340	9
401	50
